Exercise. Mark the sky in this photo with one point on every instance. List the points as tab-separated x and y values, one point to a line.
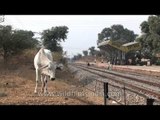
83	29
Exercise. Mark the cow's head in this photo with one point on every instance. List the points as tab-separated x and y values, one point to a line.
51	70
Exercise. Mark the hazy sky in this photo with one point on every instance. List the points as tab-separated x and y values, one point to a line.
83	29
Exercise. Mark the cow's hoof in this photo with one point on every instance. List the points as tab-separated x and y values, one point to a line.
46	92
52	79
35	92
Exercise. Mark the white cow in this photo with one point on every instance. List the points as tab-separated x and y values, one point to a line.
45	68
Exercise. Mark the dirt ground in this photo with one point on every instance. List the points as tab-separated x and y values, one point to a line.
18	82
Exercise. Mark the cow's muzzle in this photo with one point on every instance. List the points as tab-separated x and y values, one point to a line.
53	79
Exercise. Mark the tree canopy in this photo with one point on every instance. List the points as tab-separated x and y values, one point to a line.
51	38
92	51
150	38
117	33
14	41
85	52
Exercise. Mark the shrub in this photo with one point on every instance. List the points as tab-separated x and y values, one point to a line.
58	57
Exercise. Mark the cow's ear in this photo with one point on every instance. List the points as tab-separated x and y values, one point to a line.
58	68
49	67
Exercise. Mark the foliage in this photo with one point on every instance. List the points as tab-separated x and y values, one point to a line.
150	39
51	38
77	57
15	41
85	52
117	35
92	51
117	32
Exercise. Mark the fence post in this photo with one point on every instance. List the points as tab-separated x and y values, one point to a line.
124	95
150	101
105	93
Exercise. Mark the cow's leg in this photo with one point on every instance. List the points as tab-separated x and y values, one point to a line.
42	80
45	83
37	79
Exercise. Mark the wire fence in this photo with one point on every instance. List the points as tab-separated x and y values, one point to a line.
121	94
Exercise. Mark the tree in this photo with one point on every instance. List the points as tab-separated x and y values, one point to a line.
150	39
85	52
144	27
107	32
122	34
5	40
51	38
154	24
100	37
118	35
14	41
24	39
92	51
77	57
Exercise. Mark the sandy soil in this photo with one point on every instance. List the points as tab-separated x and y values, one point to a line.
17	88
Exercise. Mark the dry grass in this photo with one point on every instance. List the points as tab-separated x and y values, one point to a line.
17	83
17	87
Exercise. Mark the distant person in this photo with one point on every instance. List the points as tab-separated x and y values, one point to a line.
109	65
88	64
102	61
130	61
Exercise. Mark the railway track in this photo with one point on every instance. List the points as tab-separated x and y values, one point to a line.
140	78
136	83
